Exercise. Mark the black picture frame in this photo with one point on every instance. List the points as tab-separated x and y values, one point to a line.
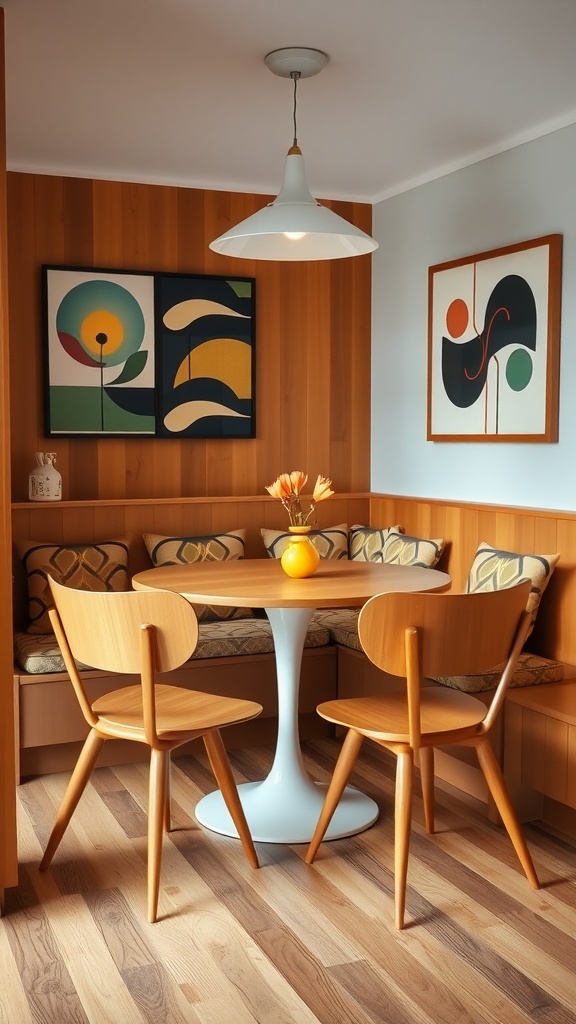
148	354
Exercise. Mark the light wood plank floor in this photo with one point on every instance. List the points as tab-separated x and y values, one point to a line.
288	944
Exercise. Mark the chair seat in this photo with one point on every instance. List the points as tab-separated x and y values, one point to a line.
386	717
178	710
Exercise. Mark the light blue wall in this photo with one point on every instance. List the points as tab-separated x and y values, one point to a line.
518	195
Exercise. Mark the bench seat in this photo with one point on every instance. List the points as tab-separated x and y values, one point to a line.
38	653
532	670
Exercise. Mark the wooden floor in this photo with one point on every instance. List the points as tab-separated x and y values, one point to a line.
288	943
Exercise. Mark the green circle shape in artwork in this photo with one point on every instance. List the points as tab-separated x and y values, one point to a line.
519	369
104	319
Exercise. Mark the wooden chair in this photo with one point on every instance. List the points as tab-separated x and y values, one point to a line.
143	632
417	636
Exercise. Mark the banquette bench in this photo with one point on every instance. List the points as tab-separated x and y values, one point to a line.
50	725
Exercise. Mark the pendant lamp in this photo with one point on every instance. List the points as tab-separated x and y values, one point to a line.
295	226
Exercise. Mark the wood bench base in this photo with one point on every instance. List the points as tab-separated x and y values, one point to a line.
540	751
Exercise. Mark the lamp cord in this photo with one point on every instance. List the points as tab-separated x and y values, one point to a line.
294	75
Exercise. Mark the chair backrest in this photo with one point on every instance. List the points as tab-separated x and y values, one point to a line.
136	632
419	636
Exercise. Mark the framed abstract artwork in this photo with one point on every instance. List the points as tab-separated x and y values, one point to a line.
494	344
148	354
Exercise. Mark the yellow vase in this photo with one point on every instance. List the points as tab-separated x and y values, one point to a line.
300	558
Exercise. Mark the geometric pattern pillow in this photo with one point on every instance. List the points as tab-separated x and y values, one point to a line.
366	543
329	543
493	569
217	547
400	549
97	567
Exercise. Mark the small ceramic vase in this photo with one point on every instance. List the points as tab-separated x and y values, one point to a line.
45	482
300	558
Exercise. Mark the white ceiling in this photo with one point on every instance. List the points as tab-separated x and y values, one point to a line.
176	91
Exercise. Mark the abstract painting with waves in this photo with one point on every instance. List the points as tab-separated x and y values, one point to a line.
205	356
148	354
493	344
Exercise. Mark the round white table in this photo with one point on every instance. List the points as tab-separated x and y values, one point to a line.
285	806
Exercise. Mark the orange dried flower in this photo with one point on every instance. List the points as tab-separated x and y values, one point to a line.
288	488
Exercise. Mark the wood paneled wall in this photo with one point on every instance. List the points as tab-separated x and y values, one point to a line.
532	531
8	857
312	341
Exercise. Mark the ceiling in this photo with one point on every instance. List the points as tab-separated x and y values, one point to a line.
176	91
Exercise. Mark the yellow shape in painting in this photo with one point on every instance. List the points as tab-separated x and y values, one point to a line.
223	359
187	413
102	332
185	313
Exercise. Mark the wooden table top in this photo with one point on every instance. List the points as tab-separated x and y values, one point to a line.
262	583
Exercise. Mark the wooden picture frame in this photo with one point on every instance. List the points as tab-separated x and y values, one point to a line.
130	353
494	344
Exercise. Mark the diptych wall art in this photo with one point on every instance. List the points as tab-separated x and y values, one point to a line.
165	355
493	344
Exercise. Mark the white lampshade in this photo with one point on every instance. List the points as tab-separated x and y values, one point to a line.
294	226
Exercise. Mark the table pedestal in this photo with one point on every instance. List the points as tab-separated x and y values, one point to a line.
285	807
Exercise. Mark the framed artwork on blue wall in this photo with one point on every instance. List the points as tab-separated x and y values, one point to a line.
148	354
494	344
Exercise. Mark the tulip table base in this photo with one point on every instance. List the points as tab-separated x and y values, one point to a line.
287	811
285	807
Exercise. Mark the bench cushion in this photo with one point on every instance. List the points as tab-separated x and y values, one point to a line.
39	654
531	670
342	625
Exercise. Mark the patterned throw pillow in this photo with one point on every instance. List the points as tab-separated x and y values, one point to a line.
98	567
217	547
493	569
400	549
329	543
366	543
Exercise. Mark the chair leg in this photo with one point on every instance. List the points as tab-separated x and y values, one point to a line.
159	764
426	758
342	771
76	786
168	795
402	823
497	787
223	774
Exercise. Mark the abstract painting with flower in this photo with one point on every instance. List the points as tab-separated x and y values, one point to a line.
100	348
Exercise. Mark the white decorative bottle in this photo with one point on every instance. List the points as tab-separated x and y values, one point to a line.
45	482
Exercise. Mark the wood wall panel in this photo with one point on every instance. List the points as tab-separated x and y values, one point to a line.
312	341
8	856
535	531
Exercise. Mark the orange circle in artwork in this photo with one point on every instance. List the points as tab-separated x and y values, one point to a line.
457	318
